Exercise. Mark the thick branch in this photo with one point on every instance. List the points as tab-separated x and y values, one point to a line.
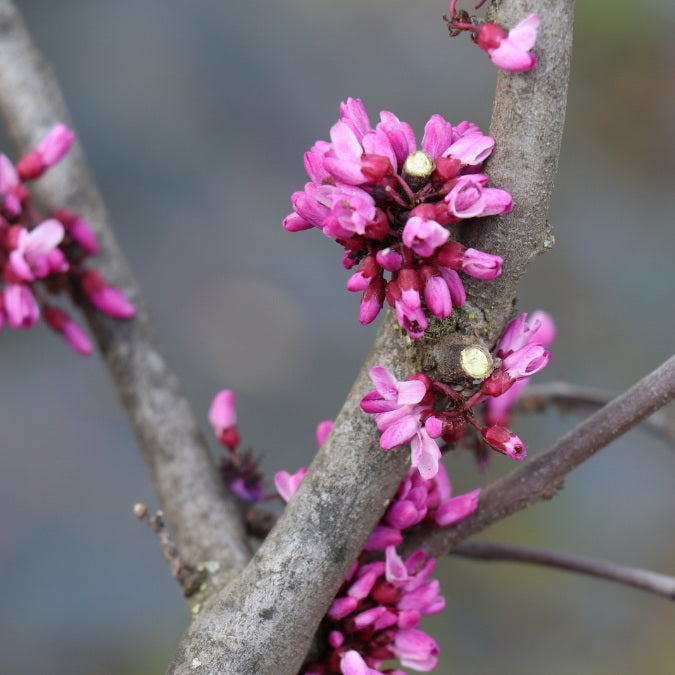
265	620
527	124
205	520
541	477
645	580
578	398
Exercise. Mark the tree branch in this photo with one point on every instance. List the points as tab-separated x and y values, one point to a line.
578	398
205	519
645	580
527	124
541	477
264	621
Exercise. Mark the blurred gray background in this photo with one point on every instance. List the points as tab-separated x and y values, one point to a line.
195	116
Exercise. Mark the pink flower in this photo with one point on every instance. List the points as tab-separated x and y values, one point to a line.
505	441
471	261
20	306
527	361
423	234
458	508
510	51
351	663
344	162
472	148
539	330
287	483
105	297
352	209
61	323
372	301
395	392
322	431
223	418
78	228
415	649
425	454
470	199
437	296
30	257
49	152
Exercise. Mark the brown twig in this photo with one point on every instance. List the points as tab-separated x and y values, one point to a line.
645	580
541	477
188	576
203	516
577	398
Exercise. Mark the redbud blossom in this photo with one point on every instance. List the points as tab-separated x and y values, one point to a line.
505	441
287	483
42	257
510	51
223	418
392	205
61	323
106	297
49	152
29	258
539	330
20	306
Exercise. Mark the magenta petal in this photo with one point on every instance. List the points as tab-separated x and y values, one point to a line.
382	537
404	514
457	508
395	570
437	297
322	431
411	392
341	607
437	136
351	663
524	34
286	483
425	454
400	432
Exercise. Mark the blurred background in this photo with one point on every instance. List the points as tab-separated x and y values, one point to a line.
195	117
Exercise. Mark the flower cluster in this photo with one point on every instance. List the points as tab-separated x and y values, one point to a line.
507	49
392	207
44	257
420	411
376	614
239	469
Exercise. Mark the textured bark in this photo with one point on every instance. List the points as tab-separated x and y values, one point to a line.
527	124
205	520
645	580
265	620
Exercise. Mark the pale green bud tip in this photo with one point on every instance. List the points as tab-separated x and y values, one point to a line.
419	164
476	362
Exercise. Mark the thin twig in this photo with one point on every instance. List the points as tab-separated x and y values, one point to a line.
645	580
203	516
188	576
541	477
578	398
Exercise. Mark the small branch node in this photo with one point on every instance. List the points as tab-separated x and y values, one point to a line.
190	578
